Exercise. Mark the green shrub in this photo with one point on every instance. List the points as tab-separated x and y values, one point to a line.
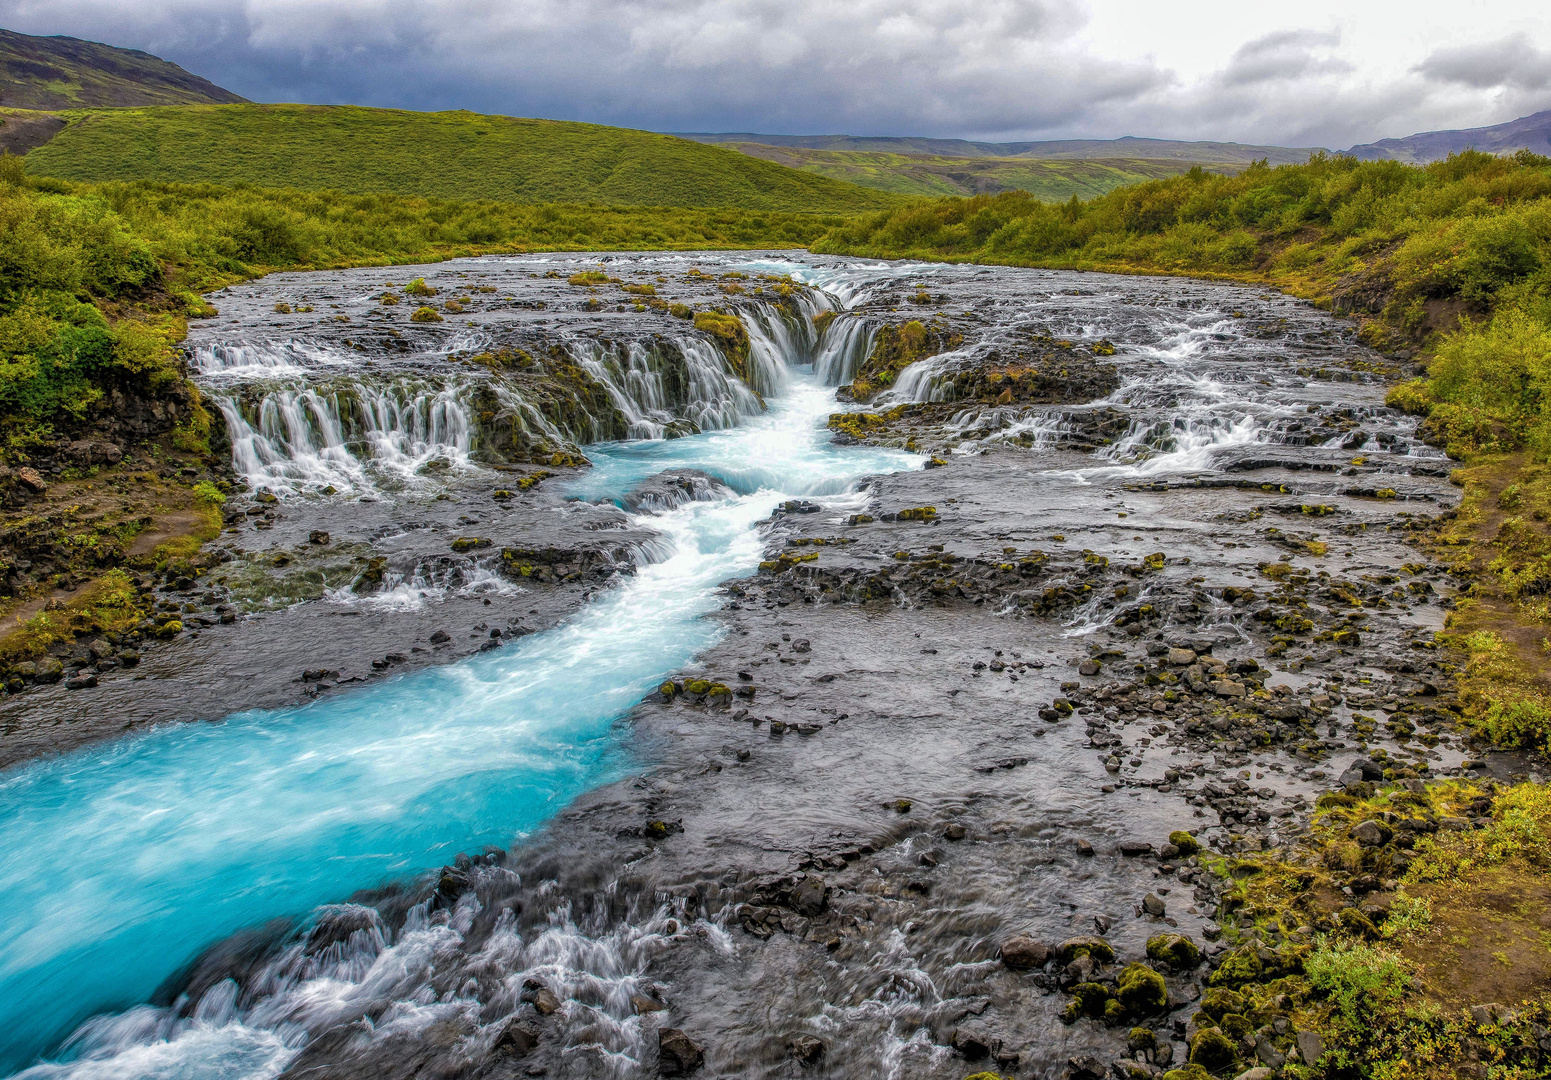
418	287
1360	981
425	315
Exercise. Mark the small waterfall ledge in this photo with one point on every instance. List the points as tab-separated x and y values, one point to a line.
328	414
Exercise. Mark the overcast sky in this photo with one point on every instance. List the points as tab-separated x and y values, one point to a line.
1317	73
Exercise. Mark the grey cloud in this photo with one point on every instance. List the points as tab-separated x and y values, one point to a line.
1288	54
1510	62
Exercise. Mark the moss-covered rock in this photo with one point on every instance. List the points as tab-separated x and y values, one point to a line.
1175	950
1141	990
1218	1001
1101	951
1356	923
1187	1072
1088	999
1212	1050
1188	845
1239	968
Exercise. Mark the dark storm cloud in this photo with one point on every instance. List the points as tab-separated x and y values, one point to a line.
1511	62
948	66
1007	69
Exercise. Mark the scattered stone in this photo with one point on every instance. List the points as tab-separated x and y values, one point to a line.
802	645
954	831
31	480
317	536
1153	905
84	681
441	637
1089	667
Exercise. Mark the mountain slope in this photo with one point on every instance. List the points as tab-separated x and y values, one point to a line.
1526	133
923	175
1217	153
68	73
449	155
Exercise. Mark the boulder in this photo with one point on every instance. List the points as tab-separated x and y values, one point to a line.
1371	833
1141	990
1175	950
1153	905
1310	1047
808	1050
1086	1067
677	1053
808	897
1212	1050
1087	945
517	1038
1023	953
974	1043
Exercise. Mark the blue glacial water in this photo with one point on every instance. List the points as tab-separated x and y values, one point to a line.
120	863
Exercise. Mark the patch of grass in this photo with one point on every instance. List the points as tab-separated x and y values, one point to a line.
111	603
445	155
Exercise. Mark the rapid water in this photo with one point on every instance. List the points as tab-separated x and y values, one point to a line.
120	863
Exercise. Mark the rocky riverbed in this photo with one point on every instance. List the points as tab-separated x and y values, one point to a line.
916	809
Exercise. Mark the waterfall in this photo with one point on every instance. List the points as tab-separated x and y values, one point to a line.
655	389
847	342
310	439
716	398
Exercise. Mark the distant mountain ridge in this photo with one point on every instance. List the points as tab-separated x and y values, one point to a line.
1526	133
47	73
1130	147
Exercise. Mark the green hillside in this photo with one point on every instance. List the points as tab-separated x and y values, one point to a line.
68	73
928	175
449	155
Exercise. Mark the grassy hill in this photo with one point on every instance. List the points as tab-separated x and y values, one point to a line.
67	73
449	155
1129	148
936	176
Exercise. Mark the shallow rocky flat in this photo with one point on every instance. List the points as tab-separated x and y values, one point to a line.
905	771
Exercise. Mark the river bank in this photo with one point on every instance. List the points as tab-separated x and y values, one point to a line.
948	707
